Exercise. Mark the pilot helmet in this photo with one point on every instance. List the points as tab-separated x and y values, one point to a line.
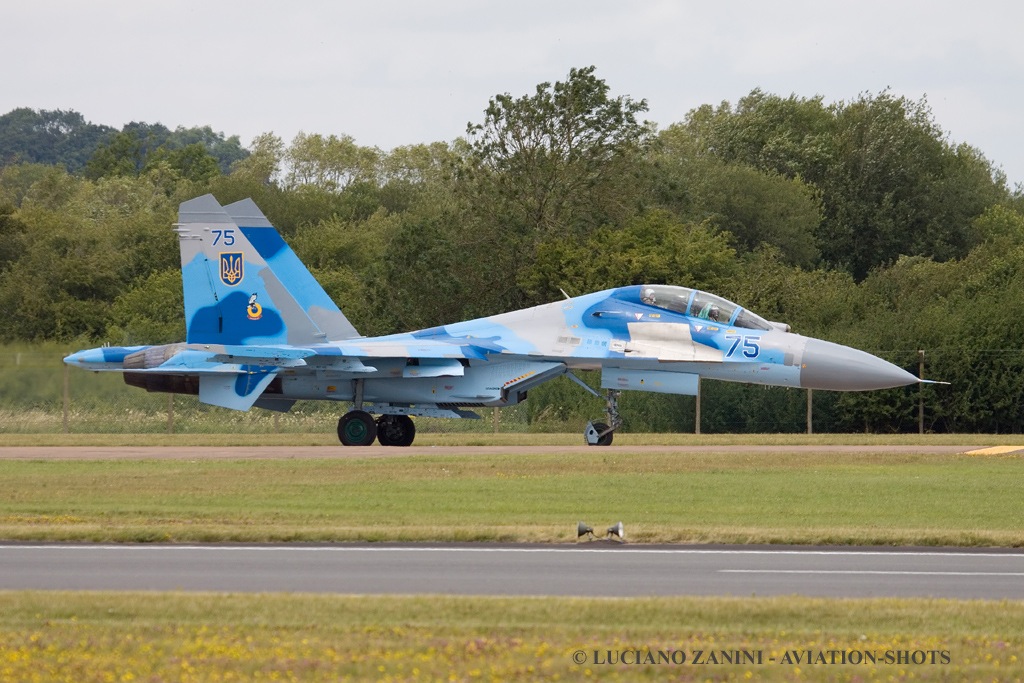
647	296
713	313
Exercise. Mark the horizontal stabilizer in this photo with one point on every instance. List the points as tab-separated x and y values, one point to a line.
238	391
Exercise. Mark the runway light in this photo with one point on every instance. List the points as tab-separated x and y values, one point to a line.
582	529
617	530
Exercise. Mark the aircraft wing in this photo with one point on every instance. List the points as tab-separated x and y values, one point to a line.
407	346
445	357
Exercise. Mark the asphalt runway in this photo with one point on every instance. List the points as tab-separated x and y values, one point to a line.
586	569
596	569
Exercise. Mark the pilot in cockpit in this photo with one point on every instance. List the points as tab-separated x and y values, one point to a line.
709	312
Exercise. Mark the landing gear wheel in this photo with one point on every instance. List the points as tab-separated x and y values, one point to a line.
357	428
395	430
605	440
599	433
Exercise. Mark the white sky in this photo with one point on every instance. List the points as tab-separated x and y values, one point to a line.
396	72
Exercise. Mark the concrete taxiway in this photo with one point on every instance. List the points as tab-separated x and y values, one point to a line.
592	569
377	451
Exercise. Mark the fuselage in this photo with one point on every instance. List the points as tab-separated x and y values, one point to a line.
643	333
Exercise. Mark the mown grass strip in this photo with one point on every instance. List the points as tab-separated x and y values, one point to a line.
733	497
211	637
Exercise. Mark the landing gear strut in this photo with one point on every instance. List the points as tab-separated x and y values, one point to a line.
599	433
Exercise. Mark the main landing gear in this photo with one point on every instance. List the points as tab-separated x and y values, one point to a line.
600	433
395	430
358	428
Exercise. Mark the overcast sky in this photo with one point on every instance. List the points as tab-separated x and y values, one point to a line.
396	72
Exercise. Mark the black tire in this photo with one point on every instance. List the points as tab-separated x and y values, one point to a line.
605	440
395	430
357	428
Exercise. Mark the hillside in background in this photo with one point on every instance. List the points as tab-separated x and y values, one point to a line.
65	138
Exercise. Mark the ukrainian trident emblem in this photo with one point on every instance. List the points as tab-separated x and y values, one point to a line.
232	268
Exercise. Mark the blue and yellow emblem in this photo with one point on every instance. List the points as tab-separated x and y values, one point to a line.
254	311
232	268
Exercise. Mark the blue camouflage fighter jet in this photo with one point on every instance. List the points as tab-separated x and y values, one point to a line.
261	331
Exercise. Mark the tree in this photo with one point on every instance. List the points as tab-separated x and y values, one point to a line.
154	136
890	154
263	164
122	155
17	181
191	162
425	164
48	137
652	248
412	172
759	208
85	244
12	235
336	243
890	182
1001	226
430	272
226	151
550	162
330	163
790	136
149	312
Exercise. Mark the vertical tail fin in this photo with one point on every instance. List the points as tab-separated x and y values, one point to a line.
244	285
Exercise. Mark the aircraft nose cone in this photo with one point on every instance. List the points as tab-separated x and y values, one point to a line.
840	368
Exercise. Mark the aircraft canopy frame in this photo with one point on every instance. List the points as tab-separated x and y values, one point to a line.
702	305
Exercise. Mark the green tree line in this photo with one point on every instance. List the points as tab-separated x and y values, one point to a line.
858	221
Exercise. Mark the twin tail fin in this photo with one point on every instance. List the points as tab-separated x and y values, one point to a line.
244	285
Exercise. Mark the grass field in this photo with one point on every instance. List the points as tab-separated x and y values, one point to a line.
85	637
737	496
733	497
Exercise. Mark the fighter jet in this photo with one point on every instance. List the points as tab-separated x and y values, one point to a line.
261	331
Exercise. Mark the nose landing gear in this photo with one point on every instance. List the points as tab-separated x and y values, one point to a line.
600	433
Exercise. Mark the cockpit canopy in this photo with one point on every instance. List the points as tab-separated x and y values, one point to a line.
698	304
